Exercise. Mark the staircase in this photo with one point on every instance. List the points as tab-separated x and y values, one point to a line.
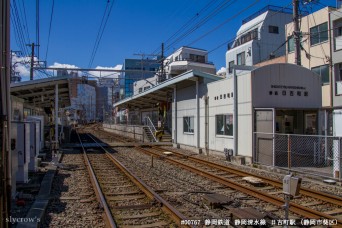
167	137
149	134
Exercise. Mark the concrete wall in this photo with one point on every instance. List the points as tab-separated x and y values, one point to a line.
336	47
315	55
134	132
287	80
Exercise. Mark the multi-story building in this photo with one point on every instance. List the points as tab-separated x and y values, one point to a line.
316	55
336	61
145	68
181	61
185	59
86	102
260	37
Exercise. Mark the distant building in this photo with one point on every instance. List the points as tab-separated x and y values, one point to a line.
185	59
260	37
86	102
145	68
182	60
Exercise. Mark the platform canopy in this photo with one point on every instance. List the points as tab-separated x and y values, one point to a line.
163	91
41	92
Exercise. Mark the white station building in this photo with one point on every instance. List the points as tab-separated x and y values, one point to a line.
278	98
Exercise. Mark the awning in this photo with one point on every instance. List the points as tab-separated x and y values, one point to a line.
163	91
41	92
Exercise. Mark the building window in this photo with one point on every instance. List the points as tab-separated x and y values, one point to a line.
290	44
197	58
240	59
188	124
146	88
273	29
319	33
323	72
140	90
224	124
338	72
230	67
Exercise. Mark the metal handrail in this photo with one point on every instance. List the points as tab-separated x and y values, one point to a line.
149	124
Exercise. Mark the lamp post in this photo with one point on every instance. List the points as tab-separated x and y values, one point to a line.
235	94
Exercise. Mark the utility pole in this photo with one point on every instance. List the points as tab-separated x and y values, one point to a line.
32	59
296	32
162	63
5	114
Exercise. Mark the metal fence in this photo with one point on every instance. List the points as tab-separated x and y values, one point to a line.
315	154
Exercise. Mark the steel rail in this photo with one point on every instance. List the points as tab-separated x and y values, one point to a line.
304	191
150	193
108	215
295	208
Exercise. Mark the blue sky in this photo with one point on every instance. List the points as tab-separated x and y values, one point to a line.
134	26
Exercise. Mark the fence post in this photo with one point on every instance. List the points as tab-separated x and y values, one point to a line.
289	152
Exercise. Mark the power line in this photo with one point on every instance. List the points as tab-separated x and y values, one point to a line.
100	32
188	23
213	13
226	21
235	37
48	41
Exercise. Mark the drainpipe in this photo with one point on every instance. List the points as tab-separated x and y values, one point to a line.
175	115
197	114
56	115
235	114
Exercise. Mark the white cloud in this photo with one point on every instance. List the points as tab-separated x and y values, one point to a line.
63	65
223	70
21	65
107	74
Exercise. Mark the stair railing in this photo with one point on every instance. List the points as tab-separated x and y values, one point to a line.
152	128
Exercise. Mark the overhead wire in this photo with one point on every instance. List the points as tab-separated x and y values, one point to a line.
50	26
235	37
187	23
100	32
225	22
18	29
213	13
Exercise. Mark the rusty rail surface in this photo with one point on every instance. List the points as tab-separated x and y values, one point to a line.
295	208
100	197
150	193
333	199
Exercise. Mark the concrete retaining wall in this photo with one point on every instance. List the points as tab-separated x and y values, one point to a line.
131	131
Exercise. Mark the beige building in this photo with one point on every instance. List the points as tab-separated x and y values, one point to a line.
316	49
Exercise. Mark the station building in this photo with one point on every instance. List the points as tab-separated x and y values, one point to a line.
277	98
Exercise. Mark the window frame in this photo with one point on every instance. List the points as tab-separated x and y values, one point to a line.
243	60
313	69
227	132
317	35
273	29
190	124
230	67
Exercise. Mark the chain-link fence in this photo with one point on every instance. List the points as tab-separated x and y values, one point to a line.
314	154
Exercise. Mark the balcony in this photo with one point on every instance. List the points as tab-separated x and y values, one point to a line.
183	65
339	88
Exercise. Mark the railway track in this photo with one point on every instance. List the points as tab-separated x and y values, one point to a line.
126	200
307	208
312	204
